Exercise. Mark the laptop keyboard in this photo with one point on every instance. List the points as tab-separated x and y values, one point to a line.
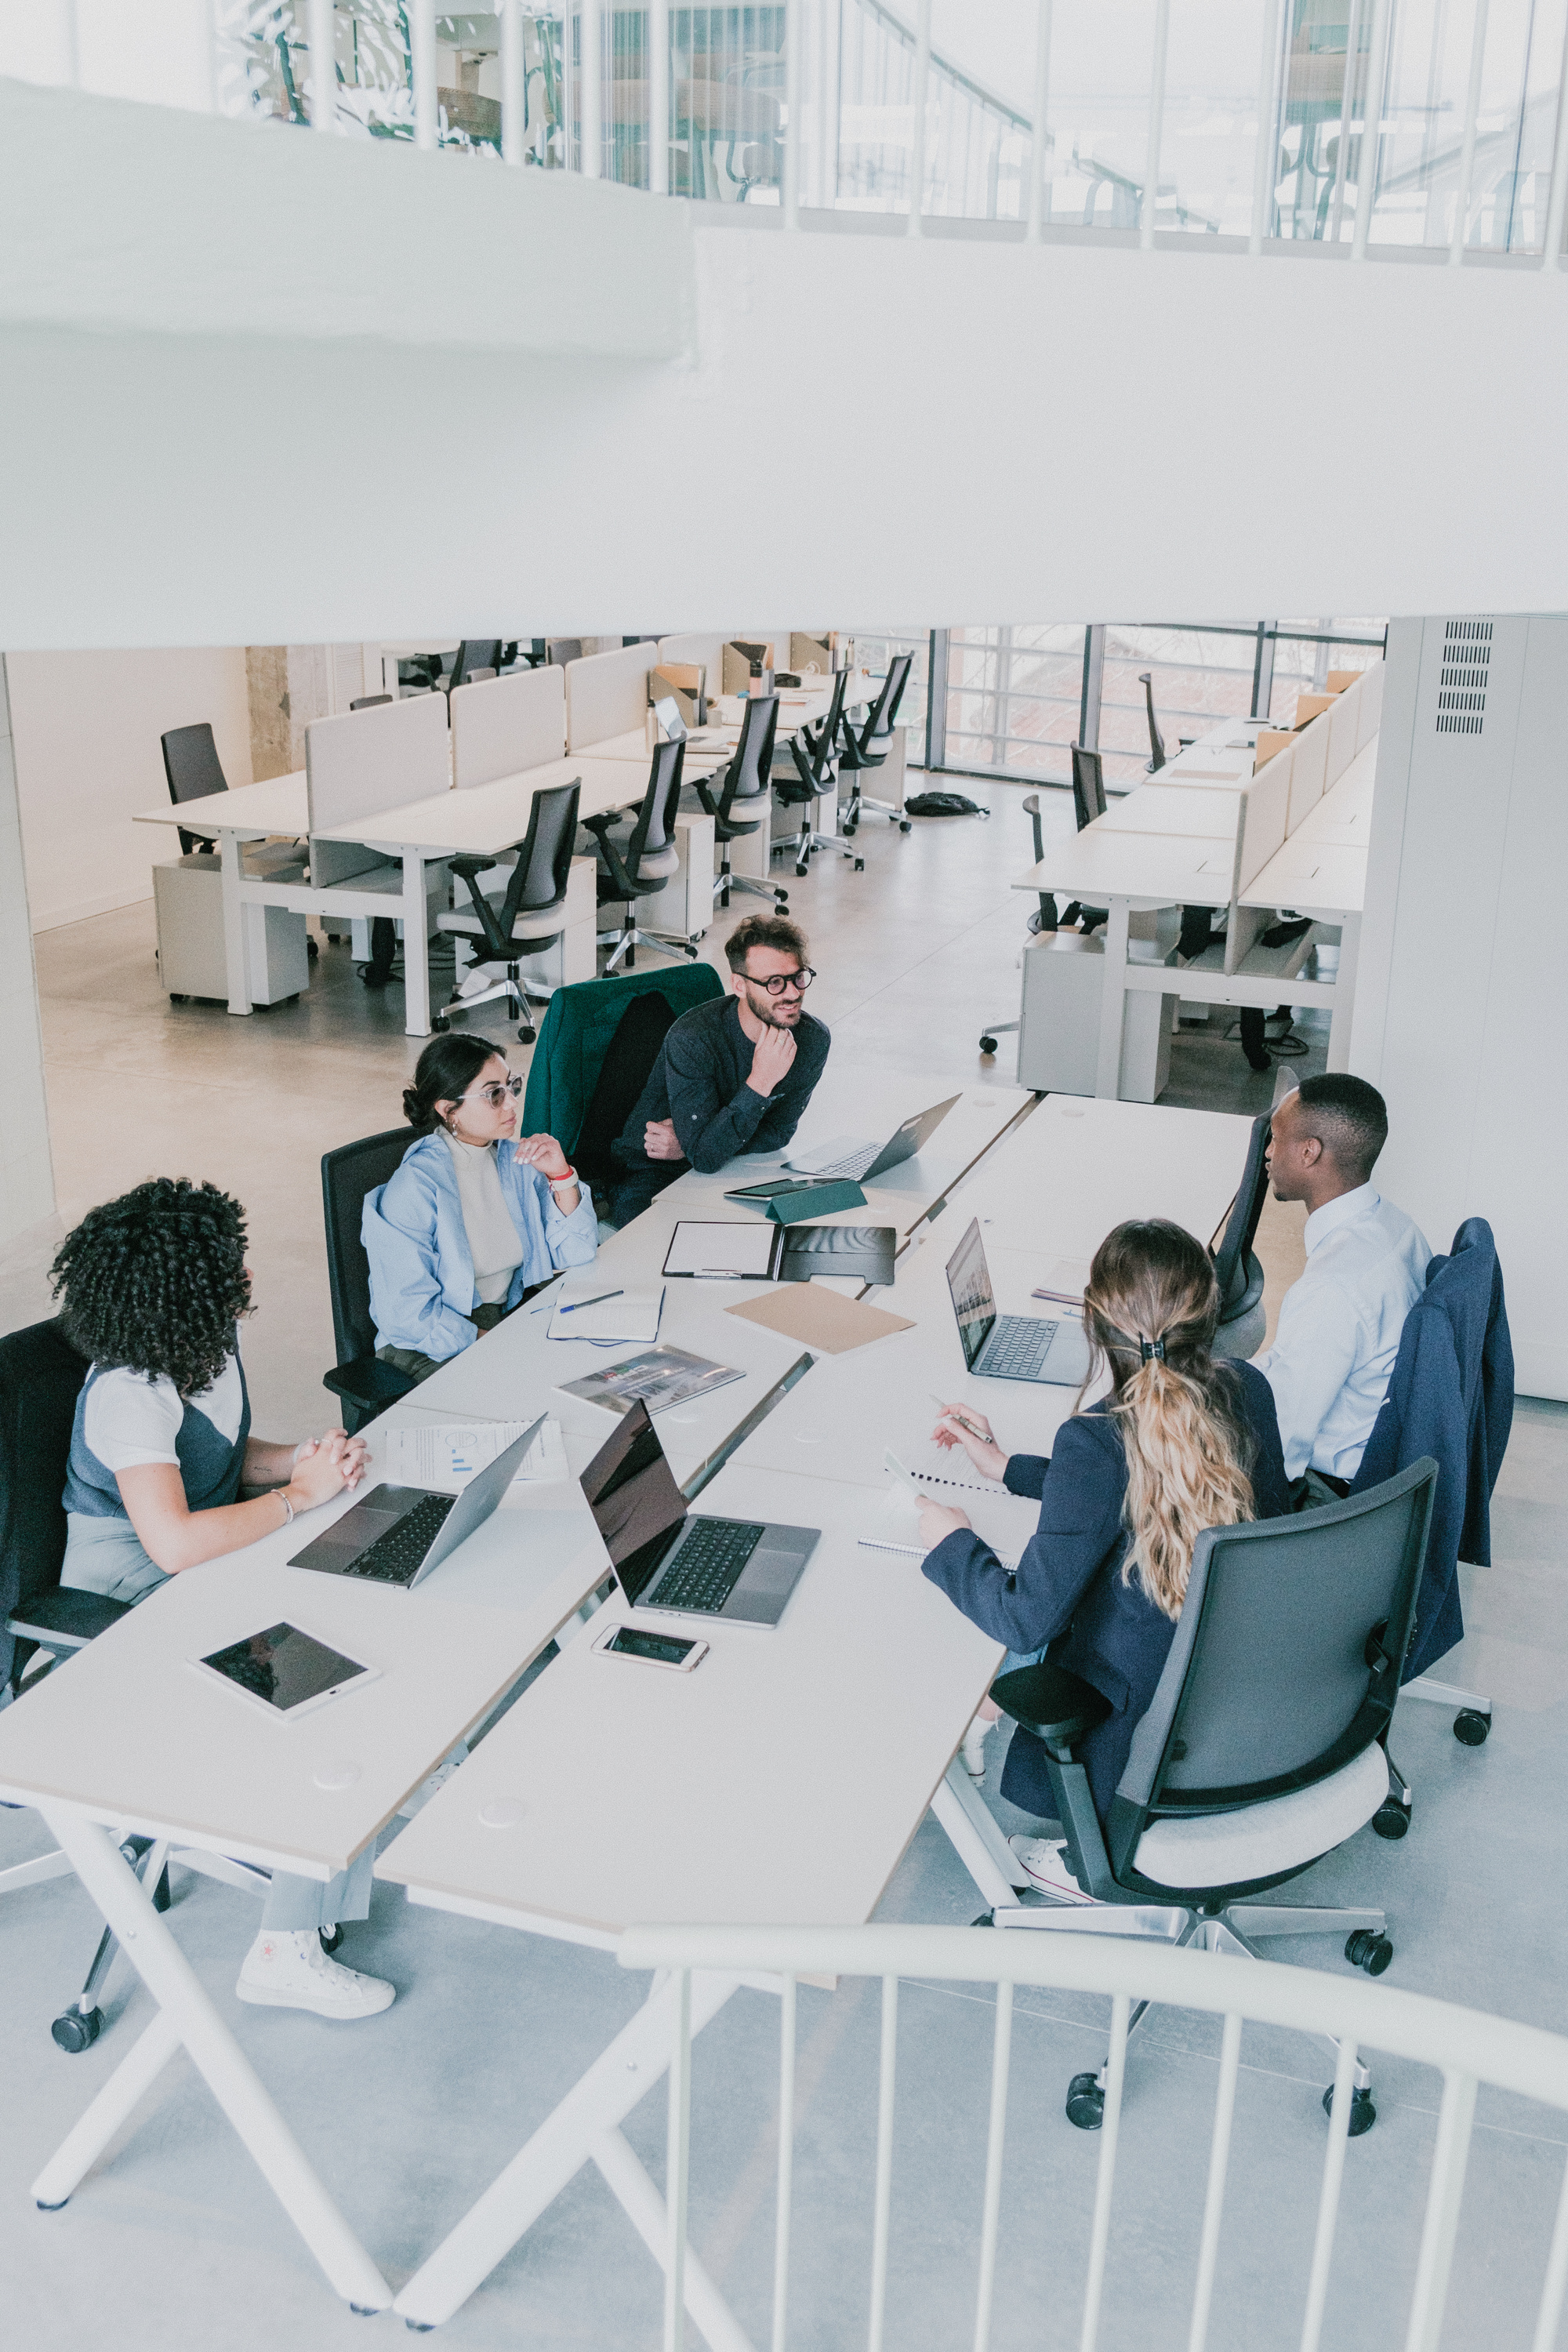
1017	1347
397	1557
708	1564
854	1164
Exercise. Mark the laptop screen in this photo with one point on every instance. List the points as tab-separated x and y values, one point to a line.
969	1279
638	1508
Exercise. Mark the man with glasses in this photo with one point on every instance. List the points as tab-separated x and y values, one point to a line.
734	1075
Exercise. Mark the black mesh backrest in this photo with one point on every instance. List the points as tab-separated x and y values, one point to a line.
624	1071
347	1175
747	777
1241	1225
1269	1684
819	748
1156	741
652	831
40	1378
369	702
885	709
192	764
1088	785
559	651
1032	811
544	861
476	653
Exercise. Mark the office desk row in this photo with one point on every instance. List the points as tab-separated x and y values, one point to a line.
610	1794
389	793
1207	831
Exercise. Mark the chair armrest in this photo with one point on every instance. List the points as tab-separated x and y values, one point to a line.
369	1382
467	865
625	886
1057	1706
65	1616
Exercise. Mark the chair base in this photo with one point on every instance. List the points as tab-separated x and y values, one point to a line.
809	839
995	1029
522	996
862	804
727	879
626	942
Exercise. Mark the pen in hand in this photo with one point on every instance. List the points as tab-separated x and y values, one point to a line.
956	1416
597	1300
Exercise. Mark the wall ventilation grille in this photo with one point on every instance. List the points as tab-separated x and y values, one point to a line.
1462	686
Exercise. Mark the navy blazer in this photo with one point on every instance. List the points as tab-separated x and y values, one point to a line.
1450	1396
1068	1591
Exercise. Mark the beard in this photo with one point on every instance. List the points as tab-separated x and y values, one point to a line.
778	1016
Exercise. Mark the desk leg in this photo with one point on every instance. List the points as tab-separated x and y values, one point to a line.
234	924
1113	1002
31	1873
1344	994
575	2131
187	2017
973	1830
416	948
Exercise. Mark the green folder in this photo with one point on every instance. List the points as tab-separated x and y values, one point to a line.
793	1208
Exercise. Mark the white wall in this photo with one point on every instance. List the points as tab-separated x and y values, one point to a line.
26	1178
86	727
1462	991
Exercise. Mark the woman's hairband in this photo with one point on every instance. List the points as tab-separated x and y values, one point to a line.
1144	1349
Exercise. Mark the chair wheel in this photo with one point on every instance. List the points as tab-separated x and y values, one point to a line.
1368	1951
849	833
440	1021
1391	1820
1086	2103
905	826
527	1034
372	978
312	948
179	1000
74	2032
1470	1726
330	1937
988	1044
859	866
1363	2115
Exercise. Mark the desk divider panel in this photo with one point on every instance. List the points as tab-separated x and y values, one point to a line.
606	694
364	762
1308	759
504	725
698	646
1342	723
1369	709
1264	807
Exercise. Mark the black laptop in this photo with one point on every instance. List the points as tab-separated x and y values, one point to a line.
744	1570
1009	1347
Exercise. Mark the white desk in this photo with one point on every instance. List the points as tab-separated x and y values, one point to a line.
127	1736
1195	812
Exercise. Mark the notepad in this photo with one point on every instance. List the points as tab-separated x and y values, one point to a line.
631	1315
722	1248
448	1455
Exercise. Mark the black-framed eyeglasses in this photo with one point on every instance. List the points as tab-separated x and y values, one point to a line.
495	1092
778	981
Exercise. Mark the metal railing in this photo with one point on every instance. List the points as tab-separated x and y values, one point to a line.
1397	130
1466	2047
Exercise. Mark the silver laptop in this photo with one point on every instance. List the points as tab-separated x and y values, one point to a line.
1009	1347
847	1155
400	1535
740	1569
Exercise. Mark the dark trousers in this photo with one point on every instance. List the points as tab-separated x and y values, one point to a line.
634	1189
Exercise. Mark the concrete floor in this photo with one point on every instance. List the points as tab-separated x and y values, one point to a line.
173	2242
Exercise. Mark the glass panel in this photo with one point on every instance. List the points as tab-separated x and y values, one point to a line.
727	73
874	649
1013	697
1197	675
1424	124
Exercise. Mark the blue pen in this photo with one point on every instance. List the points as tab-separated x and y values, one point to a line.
597	1301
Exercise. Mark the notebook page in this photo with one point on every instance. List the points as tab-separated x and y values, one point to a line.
730	1247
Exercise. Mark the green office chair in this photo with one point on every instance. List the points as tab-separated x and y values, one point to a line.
574	1040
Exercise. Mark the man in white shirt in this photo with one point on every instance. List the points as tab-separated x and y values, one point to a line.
1366	1266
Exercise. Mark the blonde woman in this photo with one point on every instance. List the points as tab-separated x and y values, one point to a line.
1183	1441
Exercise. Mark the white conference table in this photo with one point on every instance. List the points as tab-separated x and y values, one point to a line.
128	1737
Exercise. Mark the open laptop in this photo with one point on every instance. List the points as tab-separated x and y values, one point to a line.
1009	1347
399	1535
847	1155
744	1570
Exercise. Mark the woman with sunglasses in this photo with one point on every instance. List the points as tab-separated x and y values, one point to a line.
472	1219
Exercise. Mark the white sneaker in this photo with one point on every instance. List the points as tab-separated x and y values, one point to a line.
1044	1861
287	1969
974	1747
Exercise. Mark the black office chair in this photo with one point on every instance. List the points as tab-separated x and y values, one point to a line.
529	919
369	702
559	651
1156	741
858	755
365	1385
1260	1751
811	753
647	863
1242	1319
746	782
194	770
1089	802
1043	919
473	656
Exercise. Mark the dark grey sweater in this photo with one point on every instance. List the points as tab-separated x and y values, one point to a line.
700	1082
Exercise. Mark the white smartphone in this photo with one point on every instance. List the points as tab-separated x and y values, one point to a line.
674	1652
283	1671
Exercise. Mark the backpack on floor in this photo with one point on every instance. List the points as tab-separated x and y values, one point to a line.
943	805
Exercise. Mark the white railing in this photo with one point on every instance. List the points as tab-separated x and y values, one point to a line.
1467	2048
751	104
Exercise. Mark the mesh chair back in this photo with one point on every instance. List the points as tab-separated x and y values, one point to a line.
369	702
1241	1225
1088	785
559	651
746	778
194	770
1156	741
1285	1664
652	844
813	753
544	862
40	1378
347	1175
474	654
885	709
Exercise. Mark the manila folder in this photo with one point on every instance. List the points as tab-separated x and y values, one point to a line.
820	1318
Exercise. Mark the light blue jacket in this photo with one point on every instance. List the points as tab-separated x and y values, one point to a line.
421	1268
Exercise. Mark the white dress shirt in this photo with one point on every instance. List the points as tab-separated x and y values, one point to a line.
1339	1329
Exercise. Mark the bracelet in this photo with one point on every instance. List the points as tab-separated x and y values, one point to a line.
288	1506
555	1182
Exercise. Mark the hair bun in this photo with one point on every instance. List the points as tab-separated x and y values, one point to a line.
412	1108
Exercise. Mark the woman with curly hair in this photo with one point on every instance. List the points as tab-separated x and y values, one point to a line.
152	1288
1183	1442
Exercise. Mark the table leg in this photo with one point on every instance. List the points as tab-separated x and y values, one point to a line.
187	2017
416	948
572	2133
1343	1011
234	924
976	1839
30	1874
1113	1002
